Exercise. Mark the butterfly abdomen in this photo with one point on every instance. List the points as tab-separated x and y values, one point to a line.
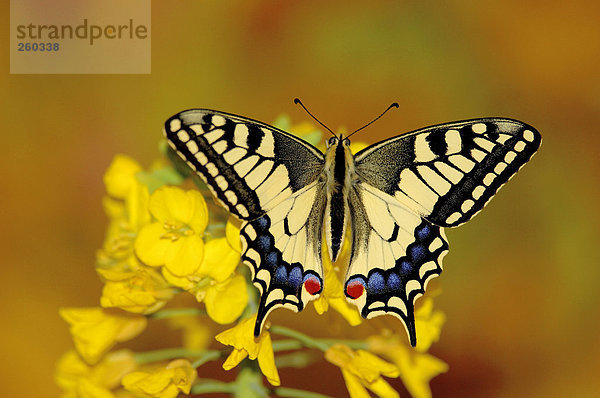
339	167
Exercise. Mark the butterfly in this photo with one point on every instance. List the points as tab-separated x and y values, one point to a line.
394	198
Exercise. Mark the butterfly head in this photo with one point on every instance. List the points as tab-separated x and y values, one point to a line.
338	153
338	140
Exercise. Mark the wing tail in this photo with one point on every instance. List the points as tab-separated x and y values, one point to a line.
394	257
283	257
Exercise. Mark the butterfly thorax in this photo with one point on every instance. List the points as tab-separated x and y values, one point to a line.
338	175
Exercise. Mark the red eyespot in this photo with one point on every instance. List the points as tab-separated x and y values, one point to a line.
354	289
312	285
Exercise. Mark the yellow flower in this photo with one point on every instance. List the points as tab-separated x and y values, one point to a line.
126	218
79	380
113	208
215	283
175	239
197	334
120	176
220	260
333	289
428	324
95	330
178	376
363	370
416	368
232	233
226	301
241	338
136	204
142	291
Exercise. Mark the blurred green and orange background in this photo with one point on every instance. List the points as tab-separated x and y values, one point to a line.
520	287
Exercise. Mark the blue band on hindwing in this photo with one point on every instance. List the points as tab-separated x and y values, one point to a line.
283	275
381	284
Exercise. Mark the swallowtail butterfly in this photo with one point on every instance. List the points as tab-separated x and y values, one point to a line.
395	197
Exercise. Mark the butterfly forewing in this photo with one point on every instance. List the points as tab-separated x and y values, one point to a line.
248	165
265	177
449	172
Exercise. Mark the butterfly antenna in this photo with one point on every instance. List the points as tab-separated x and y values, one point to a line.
298	102
394	105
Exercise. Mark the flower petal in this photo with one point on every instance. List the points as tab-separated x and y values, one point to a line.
232	233
184	256
241	336
87	389
173	204
170	204
226	301
95	330
266	360
197	333
382	388
198	215
167	382
354	386
70	369
428	324
333	292
111	369
120	176
321	305
188	282
234	359
370	367
137	206
220	260
348	311
150	246
418	370
156	384
362	369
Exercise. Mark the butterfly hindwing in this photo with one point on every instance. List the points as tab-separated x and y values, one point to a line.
449	172
395	253
282	249
249	166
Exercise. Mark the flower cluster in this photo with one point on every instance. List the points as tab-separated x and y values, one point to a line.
165	241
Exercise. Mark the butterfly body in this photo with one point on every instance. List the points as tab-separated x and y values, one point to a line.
339	175
394	198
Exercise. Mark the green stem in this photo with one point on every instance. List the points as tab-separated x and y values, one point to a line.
208	386
176	312
286	345
295	393
209	355
297	359
306	340
172	353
